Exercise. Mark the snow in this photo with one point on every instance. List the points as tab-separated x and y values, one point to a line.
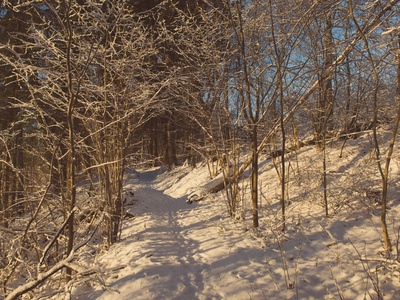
174	250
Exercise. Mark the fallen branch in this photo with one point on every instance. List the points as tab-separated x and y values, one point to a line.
41	277
213	186
52	242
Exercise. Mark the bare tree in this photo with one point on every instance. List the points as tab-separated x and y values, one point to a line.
85	77
384	172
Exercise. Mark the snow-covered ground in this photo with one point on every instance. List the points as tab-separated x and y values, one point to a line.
174	250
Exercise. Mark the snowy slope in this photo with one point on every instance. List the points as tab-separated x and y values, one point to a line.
175	250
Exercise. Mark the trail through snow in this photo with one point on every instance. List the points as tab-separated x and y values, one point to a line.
173	250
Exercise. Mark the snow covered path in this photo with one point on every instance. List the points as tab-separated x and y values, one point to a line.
173	250
156	254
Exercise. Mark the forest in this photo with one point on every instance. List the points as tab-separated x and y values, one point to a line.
90	89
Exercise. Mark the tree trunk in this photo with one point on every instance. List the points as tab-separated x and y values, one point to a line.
325	97
254	176
5	195
19	165
384	173
170	152
72	155
388	158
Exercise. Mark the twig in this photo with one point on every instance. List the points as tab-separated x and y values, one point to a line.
41	277
340	292
367	270
49	245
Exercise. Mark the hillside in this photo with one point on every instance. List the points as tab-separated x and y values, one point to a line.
174	250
